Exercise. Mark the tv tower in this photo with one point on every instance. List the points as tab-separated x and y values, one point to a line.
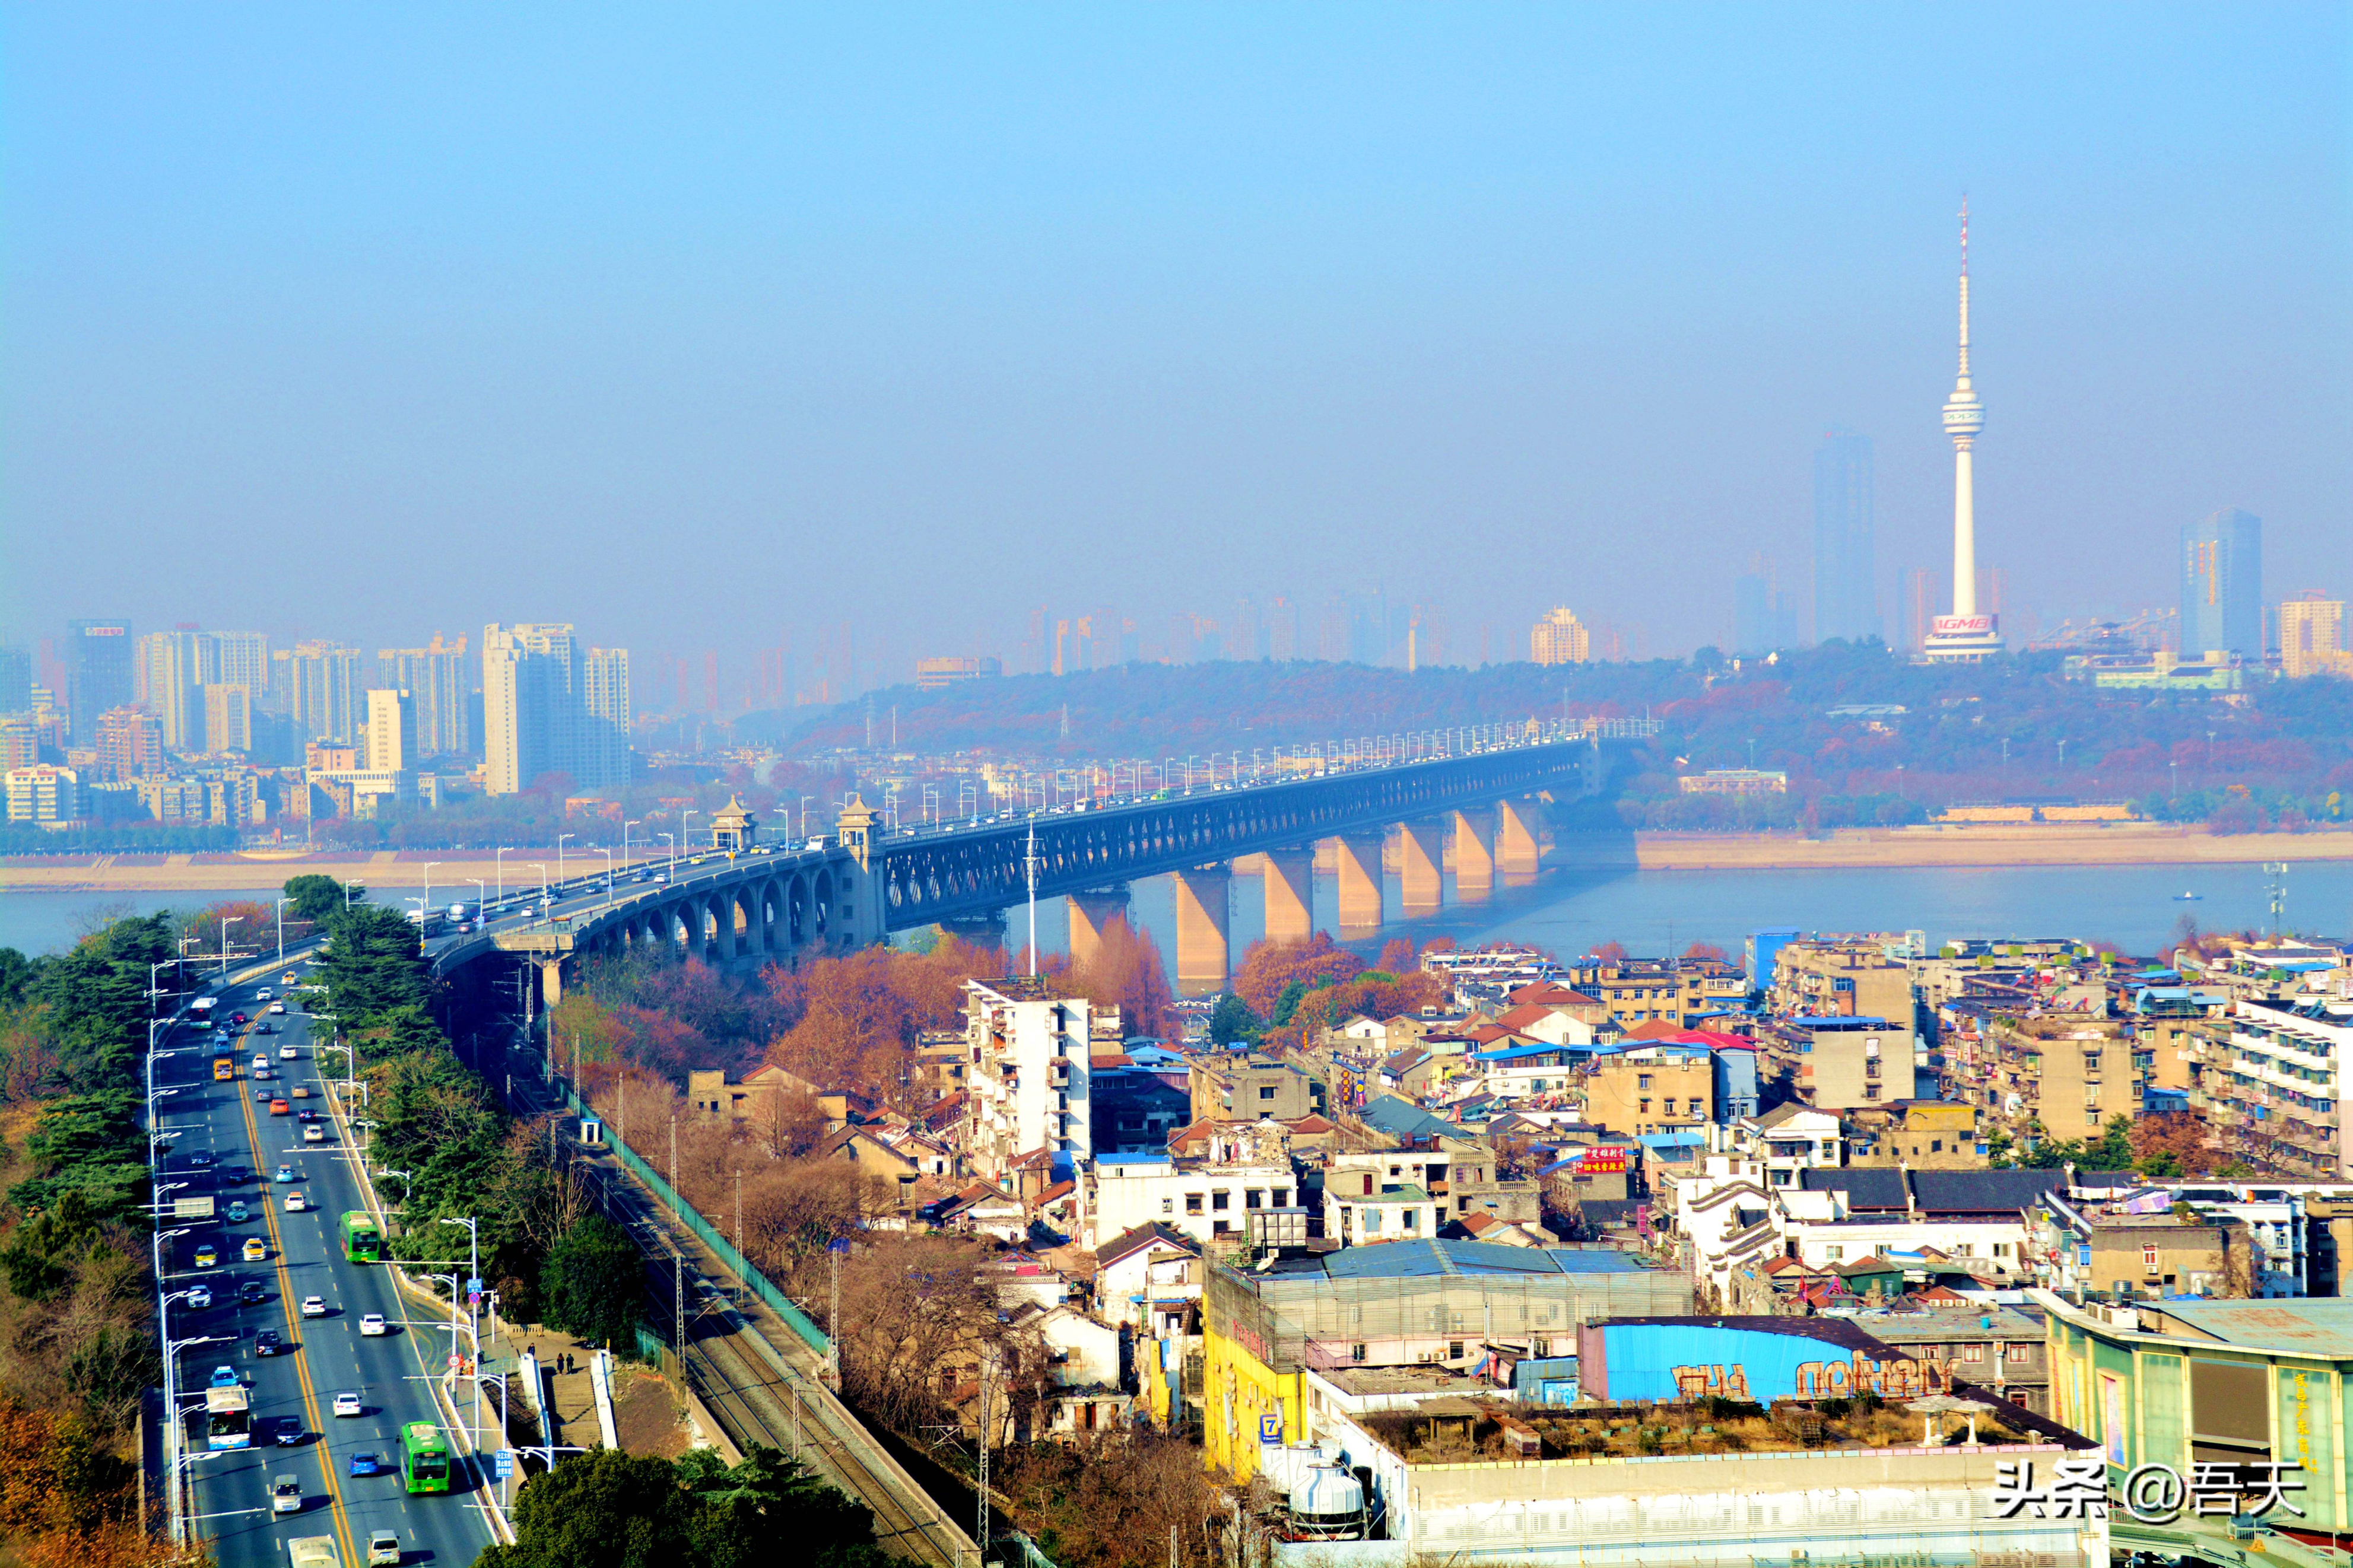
1965	635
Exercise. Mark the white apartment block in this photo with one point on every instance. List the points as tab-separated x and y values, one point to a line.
1211	1200
1027	1074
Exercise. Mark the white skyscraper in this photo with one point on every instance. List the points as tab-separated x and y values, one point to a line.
1965	635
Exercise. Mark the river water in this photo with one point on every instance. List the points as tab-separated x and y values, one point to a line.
1568	912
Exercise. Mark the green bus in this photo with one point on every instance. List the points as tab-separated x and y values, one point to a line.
423	1458
362	1242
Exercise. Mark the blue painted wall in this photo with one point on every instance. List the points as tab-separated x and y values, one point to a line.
1639	1361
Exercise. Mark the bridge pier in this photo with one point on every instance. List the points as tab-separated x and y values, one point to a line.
1474	856
1204	894
551	983
1089	912
1361	892
1289	878
1421	863
1516	852
980	931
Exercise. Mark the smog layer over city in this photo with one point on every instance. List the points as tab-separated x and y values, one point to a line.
1225	788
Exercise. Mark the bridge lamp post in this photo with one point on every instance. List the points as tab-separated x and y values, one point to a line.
281	931
684	832
805	800
625	840
477	898
227	922
499	870
428	896
608	854
544	906
673	839
559	857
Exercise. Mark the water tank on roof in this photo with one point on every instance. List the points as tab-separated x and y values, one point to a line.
1327	1503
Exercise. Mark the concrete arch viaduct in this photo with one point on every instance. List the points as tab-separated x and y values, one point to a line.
778	904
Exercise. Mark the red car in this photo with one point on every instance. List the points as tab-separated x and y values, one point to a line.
238	1019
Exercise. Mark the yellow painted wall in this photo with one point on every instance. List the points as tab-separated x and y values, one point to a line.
1240	1390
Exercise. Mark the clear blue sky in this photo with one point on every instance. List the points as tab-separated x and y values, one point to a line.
692	325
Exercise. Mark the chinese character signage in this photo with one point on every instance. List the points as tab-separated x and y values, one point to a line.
2153	1494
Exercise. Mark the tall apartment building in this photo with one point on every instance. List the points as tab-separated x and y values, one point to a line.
44	795
1560	638
549	708
2068	1073
391	731
1842	977
174	669
242	659
440	677
1029	1076
318	684
2222	585
2312	637
228	718
130	744
1846	601
100	674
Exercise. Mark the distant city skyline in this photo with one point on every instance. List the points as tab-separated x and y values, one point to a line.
1156	313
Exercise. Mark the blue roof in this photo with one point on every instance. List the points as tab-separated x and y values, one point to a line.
1403	1118
1516	1053
1821	1020
1670	1140
1433	1260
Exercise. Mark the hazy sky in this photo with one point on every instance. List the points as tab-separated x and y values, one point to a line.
694	325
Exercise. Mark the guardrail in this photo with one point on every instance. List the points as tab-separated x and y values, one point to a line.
690	1217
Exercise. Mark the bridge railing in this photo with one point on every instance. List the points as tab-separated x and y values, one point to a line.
689	1215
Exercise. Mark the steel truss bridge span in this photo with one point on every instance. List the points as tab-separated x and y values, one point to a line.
973	872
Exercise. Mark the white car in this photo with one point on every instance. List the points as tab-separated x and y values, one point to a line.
287	1053
347	1404
314	1305
285	1495
370	1324
313	1133
277	1006
296	1203
200	1296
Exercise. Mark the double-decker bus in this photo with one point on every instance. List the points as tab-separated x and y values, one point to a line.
228	1418
425	1462
362	1242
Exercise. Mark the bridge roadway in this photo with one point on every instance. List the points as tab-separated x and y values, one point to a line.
769	902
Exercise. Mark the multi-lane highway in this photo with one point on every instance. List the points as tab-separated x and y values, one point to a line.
224	1142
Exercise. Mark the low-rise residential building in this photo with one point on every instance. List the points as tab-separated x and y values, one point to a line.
1636	1089
1214	1201
1923	1134
1836	1062
2273	1088
1845	976
1791	1138
1242	1086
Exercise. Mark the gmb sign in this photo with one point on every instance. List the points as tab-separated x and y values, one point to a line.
2154	1494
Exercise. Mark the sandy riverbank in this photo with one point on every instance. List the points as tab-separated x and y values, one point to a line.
218	873
2127	845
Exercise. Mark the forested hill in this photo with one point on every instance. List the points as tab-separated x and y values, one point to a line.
2016	727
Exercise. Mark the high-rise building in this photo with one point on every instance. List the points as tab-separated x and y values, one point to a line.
2312	637
2222	585
1763	619
320	686
45	794
242	659
391	731
16	680
1560	638
228	718
441	678
549	708
1846	602
605	729
130	744
1965	637
99	674
169	681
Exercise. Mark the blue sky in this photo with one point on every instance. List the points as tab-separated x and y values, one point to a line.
700	326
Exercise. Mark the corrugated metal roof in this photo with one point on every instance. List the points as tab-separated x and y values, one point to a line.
2317	1326
1433	1258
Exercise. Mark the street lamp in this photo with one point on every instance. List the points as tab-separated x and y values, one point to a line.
499	870
473	1288
608	854
227	922
684	834
626	826
559	857
545	907
671	839
281	929
478	911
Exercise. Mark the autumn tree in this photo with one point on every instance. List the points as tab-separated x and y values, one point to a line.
1126	972
1705	953
2170	1144
917	1314
1397	957
1269	967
